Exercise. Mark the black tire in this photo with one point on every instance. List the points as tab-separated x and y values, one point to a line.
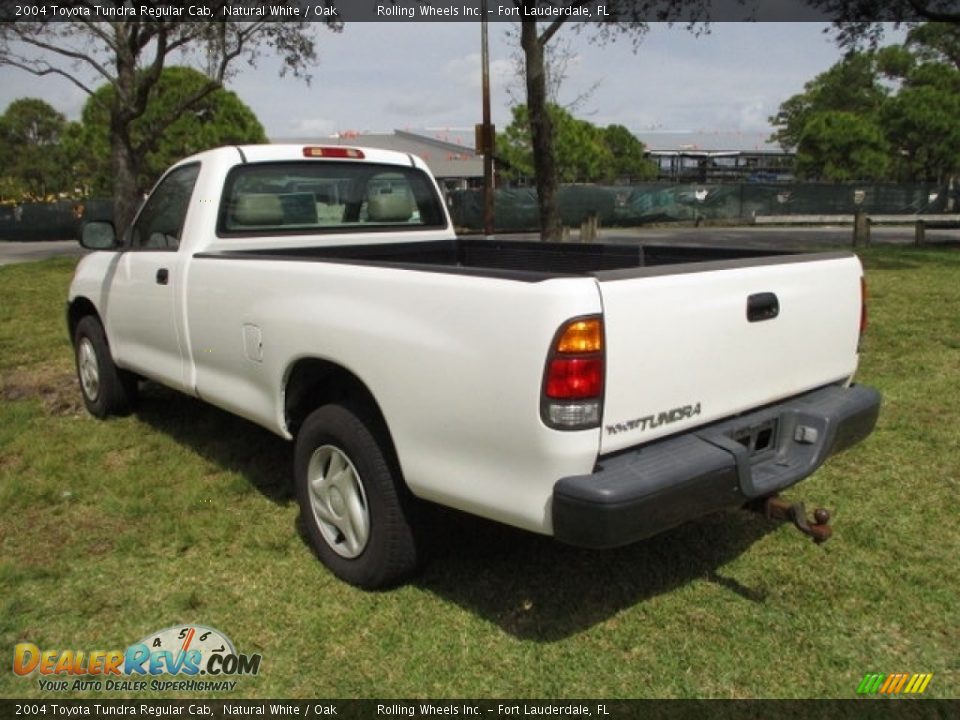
106	389
341	452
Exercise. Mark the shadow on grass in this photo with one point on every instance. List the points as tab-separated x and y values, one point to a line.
228	441
529	585
536	588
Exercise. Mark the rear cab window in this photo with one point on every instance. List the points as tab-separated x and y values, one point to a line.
311	197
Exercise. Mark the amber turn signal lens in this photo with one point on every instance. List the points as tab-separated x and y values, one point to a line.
581	336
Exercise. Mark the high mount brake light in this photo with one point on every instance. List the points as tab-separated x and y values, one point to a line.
315	151
572	394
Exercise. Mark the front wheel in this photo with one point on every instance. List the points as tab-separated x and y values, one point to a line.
355	508
107	390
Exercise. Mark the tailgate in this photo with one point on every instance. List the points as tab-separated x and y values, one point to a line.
682	352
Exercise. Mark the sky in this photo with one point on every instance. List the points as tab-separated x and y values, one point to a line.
378	77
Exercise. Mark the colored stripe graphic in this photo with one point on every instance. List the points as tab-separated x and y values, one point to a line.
870	683
894	684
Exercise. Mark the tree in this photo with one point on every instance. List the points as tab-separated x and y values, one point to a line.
860	23
841	147
582	151
629	160
558	56
30	154
850	86
908	95
936	42
220	118
130	55
626	17
922	120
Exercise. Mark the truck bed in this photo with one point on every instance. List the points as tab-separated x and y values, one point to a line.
527	261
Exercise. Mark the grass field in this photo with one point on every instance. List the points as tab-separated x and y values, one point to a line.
182	514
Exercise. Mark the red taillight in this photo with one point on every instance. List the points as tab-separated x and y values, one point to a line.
574	379
313	151
863	305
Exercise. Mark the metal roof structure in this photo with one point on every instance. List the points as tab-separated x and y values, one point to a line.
708	141
679	154
449	158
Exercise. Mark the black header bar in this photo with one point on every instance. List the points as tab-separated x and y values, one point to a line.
682	11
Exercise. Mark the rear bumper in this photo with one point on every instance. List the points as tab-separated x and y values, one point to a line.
642	492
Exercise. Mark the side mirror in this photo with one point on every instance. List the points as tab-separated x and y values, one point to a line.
98	235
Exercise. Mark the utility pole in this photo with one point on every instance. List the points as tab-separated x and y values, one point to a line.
486	145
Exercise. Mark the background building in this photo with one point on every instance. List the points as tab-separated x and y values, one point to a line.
448	153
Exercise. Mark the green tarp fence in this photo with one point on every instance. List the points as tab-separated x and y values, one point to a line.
615	205
631	205
50	221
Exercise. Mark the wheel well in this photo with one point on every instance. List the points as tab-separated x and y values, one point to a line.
79	309
312	383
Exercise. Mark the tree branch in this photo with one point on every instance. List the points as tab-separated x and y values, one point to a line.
922	8
43	71
62	51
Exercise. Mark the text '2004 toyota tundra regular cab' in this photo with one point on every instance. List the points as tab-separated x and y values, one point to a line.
596	393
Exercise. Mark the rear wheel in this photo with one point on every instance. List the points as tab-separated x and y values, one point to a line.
107	390
355	509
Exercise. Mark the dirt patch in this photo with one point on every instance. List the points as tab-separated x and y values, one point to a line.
53	385
116	460
10	464
43	534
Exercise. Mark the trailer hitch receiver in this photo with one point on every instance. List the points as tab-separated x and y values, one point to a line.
776	508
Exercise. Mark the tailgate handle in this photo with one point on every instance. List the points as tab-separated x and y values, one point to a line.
762	306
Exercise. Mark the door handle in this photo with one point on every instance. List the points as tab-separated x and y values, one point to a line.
163	276
762	306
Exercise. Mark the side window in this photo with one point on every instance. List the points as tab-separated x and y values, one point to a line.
161	220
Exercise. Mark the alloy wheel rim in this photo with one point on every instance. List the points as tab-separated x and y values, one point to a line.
338	501
89	369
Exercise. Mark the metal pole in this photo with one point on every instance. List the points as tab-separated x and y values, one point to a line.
488	139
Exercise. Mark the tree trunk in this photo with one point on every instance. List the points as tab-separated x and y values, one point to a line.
541	132
126	194
123	158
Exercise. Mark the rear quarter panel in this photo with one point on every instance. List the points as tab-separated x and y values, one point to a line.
455	363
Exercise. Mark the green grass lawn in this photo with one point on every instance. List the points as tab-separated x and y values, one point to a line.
182	514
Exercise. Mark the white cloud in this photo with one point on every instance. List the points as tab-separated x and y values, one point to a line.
419	106
380	76
313	126
468	70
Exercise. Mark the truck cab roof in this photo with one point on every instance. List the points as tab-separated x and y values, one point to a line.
315	152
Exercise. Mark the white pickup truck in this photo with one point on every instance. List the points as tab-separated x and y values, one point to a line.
596	393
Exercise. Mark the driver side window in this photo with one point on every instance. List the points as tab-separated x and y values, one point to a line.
161	220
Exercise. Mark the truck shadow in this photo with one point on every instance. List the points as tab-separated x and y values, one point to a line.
535	588
530	586
228	441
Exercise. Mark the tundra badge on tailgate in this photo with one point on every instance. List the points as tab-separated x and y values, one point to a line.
650	422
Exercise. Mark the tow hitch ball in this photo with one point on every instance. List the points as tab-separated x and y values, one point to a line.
776	508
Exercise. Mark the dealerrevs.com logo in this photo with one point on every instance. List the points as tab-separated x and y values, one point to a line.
186	652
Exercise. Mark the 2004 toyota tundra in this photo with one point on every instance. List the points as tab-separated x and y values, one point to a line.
596	393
